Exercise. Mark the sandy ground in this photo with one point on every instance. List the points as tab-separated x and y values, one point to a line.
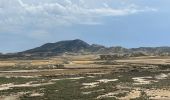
11	97
55	72
143	80
90	85
29	84
159	94
146	60
97	82
132	95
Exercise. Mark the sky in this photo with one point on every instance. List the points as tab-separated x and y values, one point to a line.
25	24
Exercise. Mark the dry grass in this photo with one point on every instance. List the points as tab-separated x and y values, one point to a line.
146	60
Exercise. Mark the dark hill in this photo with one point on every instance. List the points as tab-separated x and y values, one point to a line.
74	46
79	46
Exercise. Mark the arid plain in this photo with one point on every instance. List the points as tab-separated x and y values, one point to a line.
85	77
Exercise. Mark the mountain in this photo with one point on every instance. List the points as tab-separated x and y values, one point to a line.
111	50
73	46
96	48
79	46
152	50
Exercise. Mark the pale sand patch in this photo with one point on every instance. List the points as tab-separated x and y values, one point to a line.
56	79
132	95
86	93
143	80
72	78
32	85
158	94
122	87
5	86
75	78
36	94
161	76
91	76
90	85
96	73
11	97
29	84
22	71
107	80
111	94
108	95
21	76
17	71
95	84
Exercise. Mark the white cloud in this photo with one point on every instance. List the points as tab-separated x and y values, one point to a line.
53	13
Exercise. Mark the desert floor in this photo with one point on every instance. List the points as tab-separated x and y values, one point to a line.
85	78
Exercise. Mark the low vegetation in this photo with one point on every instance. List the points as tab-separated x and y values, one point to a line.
111	81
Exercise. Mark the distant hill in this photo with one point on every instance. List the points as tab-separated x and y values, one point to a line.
79	46
153	50
73	46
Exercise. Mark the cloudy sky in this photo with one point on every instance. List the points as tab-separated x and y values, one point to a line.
25	24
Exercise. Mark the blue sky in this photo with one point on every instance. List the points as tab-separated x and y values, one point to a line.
26	24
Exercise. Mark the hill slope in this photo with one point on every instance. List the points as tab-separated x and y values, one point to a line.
79	46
